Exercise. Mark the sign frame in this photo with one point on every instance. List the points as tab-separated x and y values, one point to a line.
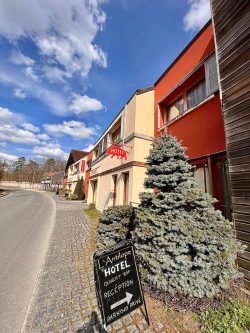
101	254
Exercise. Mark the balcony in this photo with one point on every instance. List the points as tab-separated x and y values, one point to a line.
74	177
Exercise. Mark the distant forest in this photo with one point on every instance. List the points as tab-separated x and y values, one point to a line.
23	170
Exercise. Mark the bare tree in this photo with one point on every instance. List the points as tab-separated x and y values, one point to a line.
3	166
31	171
53	164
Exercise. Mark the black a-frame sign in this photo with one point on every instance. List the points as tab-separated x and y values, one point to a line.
118	285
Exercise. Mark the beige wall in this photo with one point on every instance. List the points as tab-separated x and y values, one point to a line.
139	174
73	178
129	116
144	120
26	185
140	149
105	188
138	119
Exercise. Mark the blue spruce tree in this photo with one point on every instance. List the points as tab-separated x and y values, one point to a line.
185	246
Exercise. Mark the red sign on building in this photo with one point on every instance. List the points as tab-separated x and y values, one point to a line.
117	151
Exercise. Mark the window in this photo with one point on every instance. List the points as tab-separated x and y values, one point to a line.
196	94
105	142
125	190
212	84
175	109
101	147
207	84
116	135
114	189
97	151
201	175
94	189
76	168
89	164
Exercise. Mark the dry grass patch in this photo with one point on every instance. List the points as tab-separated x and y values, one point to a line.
173	321
93	214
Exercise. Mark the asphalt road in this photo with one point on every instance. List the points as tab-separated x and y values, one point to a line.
26	220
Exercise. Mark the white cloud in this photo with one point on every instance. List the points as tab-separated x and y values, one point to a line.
14	129
17	135
8	117
43	136
197	15
89	147
63	32
29	71
31	127
8	157
19	93
75	129
50	150
55	101
82	104
18	58
55	74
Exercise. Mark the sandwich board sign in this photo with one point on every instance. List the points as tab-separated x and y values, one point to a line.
118	286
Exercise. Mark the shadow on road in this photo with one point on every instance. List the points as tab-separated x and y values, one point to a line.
91	325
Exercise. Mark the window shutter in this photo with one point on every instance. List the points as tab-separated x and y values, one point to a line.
83	166
211	75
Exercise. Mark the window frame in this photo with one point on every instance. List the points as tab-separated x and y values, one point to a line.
118	136
174	104
203	80
211	75
210	87
206	177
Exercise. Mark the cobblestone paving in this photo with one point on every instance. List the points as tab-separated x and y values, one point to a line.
65	300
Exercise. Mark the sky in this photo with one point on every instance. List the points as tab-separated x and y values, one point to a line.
68	67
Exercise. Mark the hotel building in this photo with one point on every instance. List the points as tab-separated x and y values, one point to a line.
118	181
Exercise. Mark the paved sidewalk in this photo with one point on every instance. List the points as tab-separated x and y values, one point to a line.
65	300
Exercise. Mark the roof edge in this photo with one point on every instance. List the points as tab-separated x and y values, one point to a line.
183	51
137	92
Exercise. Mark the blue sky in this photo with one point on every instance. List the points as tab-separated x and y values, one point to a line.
68	67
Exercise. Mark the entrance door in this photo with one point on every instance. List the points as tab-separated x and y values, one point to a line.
94	191
125	193
226	206
221	188
114	189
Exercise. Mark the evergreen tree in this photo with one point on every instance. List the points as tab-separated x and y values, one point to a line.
78	192
19	164
115	225
19	169
185	245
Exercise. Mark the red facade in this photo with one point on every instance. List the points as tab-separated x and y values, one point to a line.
187	105
87	175
201	130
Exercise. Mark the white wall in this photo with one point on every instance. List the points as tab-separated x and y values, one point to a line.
36	186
